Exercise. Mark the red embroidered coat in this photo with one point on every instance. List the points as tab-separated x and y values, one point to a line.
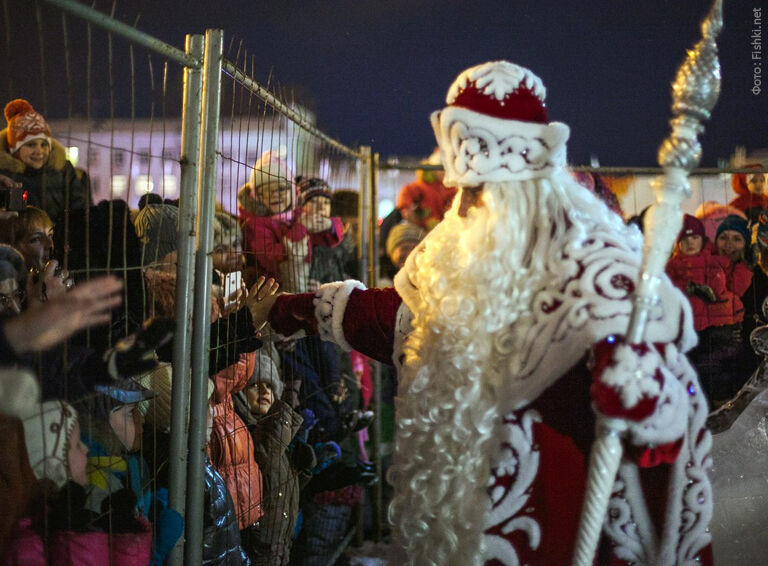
541	470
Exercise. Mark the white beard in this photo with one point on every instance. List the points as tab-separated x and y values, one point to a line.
476	279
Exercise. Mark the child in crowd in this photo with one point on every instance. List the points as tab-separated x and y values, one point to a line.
30	155
61	530
118	476
401	241
221	532
273	425
280	243
702	276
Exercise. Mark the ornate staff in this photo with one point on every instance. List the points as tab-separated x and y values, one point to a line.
694	93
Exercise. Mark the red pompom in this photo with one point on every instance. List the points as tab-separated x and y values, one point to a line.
16	107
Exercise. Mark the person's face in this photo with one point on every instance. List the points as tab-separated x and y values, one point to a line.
10	296
37	246
77	456
401	252
730	244
470	196
277	196
260	397
126	422
756	183
34	153
691	245
318	208
227	258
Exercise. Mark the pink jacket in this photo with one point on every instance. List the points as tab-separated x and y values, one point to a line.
263	237
66	548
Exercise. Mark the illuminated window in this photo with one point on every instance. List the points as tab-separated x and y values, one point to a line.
119	185
144	184
73	152
170	186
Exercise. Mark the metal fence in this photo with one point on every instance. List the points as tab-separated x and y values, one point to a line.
158	126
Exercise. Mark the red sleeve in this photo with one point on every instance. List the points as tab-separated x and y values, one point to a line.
742	279
369	322
292	313
329	238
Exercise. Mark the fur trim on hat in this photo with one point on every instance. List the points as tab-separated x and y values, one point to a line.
56	160
513	151
19	392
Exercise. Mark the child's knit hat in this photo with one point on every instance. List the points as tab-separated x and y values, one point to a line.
24	125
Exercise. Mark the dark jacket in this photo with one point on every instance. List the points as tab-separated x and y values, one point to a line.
56	187
269	541
221	533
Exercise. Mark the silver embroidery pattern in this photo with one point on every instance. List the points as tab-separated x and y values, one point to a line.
512	474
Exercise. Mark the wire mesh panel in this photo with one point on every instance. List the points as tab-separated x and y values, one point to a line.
288	209
93	149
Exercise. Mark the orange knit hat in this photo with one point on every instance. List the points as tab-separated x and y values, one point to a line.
24	124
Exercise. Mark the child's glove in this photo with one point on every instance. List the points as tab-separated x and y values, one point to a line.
704	292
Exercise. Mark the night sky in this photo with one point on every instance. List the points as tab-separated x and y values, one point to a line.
374	70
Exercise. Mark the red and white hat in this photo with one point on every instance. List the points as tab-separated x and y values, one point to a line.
24	124
495	127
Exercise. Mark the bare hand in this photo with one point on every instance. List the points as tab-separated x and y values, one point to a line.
49	285
260	300
52	322
8	183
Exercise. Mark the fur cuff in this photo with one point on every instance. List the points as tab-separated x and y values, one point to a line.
330	303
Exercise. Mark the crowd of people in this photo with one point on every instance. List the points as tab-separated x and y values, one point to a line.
87	298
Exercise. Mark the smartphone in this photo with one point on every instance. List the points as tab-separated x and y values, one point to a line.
13	199
232	282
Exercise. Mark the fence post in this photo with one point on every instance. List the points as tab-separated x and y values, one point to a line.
185	273
193	549
363	213
377	510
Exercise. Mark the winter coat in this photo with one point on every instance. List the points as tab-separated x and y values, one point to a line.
231	446
221	533
315	364
55	187
269	542
263	238
705	269
746	201
431	201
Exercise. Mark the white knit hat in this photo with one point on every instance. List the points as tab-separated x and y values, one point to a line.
46	433
270	168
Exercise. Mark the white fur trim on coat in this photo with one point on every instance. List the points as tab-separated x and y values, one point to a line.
477	148
330	303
